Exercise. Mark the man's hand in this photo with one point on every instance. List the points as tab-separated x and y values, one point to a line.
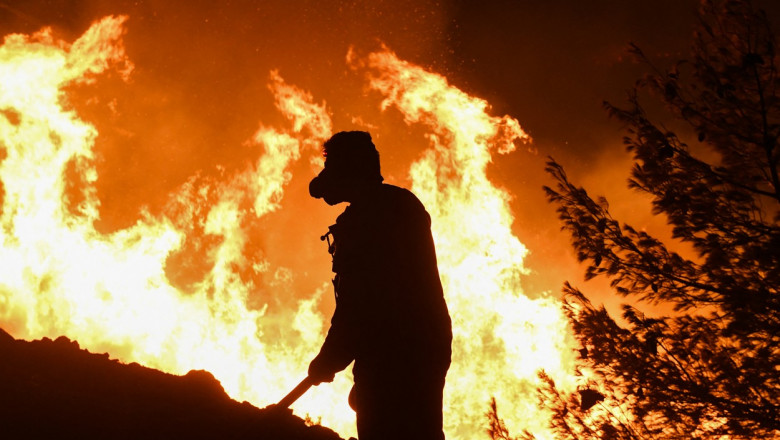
319	372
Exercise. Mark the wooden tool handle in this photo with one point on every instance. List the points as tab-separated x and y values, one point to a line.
296	392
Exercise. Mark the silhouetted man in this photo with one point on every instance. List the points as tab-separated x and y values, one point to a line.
390	317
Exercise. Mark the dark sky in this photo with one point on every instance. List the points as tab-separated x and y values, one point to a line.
201	70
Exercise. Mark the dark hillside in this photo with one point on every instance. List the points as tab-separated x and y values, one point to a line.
54	389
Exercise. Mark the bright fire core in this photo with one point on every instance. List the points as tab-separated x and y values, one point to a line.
112	291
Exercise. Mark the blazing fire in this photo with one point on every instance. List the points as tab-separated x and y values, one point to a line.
113	291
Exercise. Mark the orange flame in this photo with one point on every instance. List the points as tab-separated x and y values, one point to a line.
112	293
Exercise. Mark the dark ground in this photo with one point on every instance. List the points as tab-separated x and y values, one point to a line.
54	389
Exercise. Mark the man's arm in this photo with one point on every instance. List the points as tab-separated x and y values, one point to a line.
338	350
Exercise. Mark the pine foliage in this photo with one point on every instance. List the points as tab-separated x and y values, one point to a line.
709	368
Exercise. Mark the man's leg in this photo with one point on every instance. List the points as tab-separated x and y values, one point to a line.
407	406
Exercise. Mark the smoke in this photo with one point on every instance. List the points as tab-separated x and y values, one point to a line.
203	78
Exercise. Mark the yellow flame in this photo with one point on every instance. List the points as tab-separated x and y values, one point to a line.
111	291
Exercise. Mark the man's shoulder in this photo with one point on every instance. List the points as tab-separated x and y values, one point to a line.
399	198
390	208
397	193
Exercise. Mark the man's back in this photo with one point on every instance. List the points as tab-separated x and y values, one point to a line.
387	275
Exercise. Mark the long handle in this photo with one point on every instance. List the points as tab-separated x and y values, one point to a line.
296	392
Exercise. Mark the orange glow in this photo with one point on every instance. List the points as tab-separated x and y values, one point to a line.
113	291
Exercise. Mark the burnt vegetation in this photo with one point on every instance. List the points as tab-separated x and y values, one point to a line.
709	367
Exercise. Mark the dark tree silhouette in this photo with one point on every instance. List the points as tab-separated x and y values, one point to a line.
710	367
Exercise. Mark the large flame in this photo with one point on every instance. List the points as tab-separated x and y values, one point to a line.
501	337
113	291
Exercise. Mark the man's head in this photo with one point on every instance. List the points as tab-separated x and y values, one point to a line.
351	167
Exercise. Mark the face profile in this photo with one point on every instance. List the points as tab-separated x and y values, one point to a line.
351	168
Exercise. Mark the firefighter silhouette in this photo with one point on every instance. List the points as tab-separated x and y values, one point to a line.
391	318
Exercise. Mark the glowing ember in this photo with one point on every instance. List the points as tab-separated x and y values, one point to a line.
112	292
